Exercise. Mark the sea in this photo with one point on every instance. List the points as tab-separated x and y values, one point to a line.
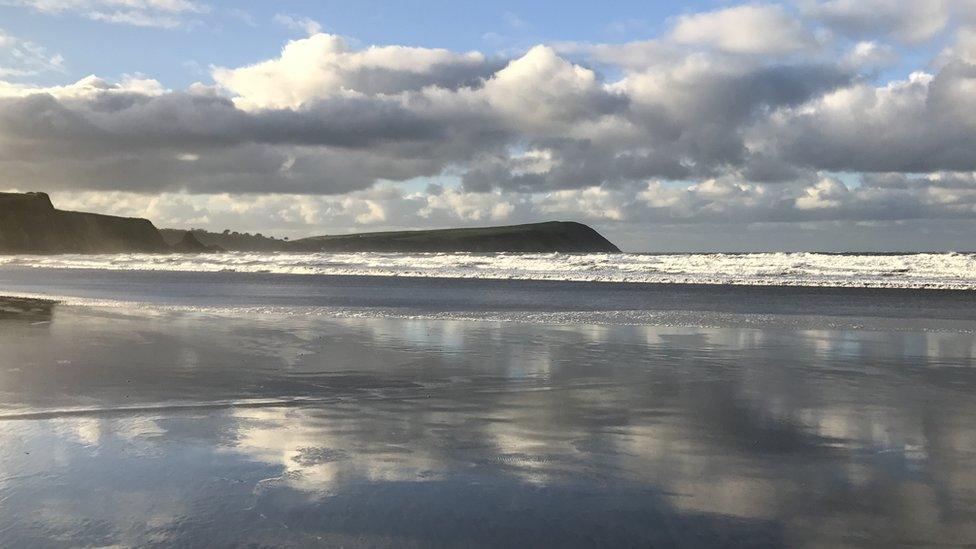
879	270
487	400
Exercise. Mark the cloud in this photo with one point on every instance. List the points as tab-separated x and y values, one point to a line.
733	116
963	48
135	18
57	6
870	55
23	58
126	136
637	55
165	14
911	22
324	119
748	29
919	125
885	204
825	194
541	92
303	24
323	66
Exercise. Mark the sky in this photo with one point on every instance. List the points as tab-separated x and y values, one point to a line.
835	125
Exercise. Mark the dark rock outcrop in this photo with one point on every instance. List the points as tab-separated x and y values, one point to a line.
29	224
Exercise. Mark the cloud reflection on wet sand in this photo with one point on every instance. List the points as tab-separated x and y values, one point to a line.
439	432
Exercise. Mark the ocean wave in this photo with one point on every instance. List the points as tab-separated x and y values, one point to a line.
916	271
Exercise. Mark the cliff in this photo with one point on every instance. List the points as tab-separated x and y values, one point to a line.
29	224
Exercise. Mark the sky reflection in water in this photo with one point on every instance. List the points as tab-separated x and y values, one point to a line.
167	427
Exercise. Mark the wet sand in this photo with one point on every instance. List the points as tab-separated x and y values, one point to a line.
150	427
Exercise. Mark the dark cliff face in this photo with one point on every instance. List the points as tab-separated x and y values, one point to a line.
29	224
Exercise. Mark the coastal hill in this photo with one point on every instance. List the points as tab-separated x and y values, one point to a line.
30	224
552	236
561	236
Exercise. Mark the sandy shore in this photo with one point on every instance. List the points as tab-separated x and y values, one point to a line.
150	427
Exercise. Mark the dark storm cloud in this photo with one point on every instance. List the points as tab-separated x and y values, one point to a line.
180	120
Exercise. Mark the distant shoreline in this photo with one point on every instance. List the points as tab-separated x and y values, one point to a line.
30	224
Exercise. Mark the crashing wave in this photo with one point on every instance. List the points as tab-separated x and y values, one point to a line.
924	270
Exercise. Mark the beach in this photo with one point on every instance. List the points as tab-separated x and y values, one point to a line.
227	409
487	274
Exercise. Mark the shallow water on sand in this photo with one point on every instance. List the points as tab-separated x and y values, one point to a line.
141	427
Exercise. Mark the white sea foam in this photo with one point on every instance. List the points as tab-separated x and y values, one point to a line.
938	270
